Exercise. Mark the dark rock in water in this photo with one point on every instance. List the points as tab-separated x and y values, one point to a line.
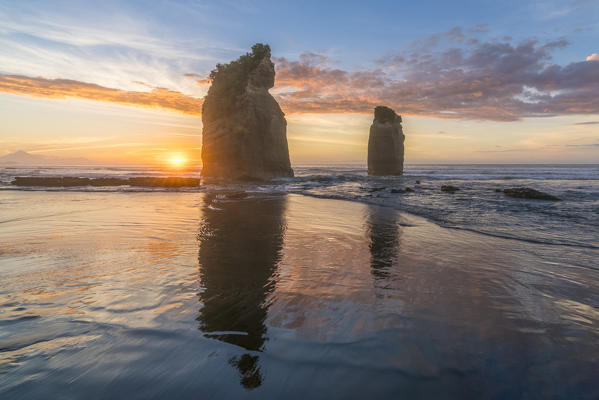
449	188
528	193
418	182
498	190
406	190
376	189
108	182
50	181
170	182
245	132
385	143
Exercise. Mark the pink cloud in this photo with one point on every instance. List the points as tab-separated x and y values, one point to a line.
494	80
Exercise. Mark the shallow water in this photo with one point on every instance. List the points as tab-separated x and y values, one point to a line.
153	295
478	206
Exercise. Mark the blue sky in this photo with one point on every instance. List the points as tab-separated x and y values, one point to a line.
482	80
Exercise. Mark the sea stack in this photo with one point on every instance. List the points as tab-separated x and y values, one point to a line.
245	132
385	143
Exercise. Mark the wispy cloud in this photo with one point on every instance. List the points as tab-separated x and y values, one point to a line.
63	88
110	45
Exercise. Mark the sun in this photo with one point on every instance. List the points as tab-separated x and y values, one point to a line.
177	161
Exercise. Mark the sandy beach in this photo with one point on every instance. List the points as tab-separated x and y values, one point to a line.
142	295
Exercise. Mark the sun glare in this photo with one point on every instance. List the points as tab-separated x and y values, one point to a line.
177	161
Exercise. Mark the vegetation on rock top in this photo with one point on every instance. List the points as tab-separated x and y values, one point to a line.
229	81
384	114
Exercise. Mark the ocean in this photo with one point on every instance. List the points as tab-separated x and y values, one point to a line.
477	206
331	284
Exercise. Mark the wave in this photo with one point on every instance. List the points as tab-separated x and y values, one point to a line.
524	239
479	206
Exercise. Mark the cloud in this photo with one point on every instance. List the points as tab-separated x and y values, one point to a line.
446	75
480	28
484	80
200	81
587	123
109	45
63	88
312	85
593	57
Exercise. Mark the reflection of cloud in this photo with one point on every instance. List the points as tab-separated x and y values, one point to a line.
479	80
63	88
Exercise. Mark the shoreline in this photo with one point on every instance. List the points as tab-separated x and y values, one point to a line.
246	188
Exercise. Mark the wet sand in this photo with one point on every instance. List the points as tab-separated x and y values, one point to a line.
141	295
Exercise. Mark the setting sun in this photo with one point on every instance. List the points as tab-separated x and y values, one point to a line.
177	161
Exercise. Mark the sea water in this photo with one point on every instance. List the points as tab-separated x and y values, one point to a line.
295	292
479	205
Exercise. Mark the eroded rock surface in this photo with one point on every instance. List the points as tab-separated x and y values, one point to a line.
385	143
245	132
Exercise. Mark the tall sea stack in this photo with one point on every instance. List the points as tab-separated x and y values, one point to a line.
245	132
385	143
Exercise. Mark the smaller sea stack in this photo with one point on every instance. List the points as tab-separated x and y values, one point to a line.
385	143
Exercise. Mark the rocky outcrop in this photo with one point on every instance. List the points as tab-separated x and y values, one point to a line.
67	181
385	143
528	193
449	188
245	132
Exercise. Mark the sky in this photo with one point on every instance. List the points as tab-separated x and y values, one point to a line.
475	81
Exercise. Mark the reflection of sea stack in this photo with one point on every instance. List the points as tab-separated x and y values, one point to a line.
384	234
385	143
244	135
240	248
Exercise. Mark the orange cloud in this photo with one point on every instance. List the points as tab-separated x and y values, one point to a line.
198	78
593	57
64	88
